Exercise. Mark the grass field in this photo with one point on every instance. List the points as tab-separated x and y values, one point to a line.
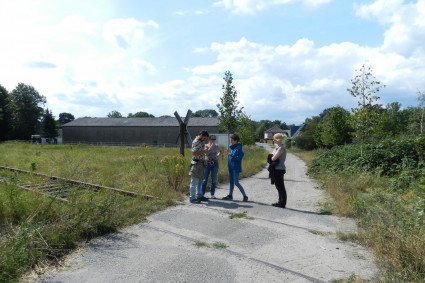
390	218
37	230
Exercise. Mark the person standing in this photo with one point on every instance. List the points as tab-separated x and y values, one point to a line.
279	157
234	162
197	167
211	166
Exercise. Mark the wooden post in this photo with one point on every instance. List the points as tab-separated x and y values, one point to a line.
182	127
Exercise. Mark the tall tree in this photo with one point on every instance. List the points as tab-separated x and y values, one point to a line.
114	114
49	125
26	112
140	114
5	114
206	113
228	109
65	118
365	87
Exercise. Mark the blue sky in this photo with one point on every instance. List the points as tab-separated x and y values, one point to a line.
290	59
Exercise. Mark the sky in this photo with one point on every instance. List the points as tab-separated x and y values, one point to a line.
290	59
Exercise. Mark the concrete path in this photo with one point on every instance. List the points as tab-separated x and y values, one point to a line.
201	243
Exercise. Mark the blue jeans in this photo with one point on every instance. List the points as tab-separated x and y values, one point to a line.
234	181
213	169
195	188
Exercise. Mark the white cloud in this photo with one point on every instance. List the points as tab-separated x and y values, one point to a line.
91	67
184	13
303	77
142	66
124	33
254	6
406	24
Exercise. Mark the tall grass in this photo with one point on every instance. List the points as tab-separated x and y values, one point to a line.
38	229
389	208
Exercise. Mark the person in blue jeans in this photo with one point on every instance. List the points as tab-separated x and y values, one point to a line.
197	167
211	165
234	163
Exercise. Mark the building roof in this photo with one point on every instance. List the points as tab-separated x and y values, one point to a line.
274	129
295	130
140	122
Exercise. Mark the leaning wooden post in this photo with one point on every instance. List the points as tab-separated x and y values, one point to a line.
182	127
184	133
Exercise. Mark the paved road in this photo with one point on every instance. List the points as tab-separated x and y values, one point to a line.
270	244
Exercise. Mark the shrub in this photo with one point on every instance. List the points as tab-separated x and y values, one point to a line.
389	157
174	169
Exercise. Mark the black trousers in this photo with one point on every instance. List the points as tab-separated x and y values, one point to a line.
280	186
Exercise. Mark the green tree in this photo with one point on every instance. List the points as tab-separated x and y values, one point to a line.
5	114
264	125
246	129
412	116
49	125
260	128
65	118
365	87
334	127
26	112
206	113
421	99
140	114
391	121
228	109
114	114
305	140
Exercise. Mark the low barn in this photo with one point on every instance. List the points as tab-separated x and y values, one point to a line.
133	131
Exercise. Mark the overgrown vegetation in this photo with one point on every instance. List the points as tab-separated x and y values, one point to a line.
35	229
384	189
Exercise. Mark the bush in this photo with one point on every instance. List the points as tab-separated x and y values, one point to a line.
385	190
305	141
389	157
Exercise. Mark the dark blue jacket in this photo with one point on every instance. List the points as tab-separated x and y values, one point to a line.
234	161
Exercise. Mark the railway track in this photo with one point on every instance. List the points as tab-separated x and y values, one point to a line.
60	188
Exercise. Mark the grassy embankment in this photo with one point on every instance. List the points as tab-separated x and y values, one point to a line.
35	230
384	190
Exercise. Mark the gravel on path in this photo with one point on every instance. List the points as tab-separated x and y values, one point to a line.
229	241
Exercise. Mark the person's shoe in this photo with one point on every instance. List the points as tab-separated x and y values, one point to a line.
213	197
202	198
229	197
195	201
245	199
278	204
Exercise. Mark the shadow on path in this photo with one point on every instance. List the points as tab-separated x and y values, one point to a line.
235	204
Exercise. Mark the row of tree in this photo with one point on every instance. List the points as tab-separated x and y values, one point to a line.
22	115
206	113
368	122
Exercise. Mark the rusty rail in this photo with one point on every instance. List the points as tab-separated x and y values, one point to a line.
57	187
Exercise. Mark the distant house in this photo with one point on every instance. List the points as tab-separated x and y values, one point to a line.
291	133
295	131
133	131
269	133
